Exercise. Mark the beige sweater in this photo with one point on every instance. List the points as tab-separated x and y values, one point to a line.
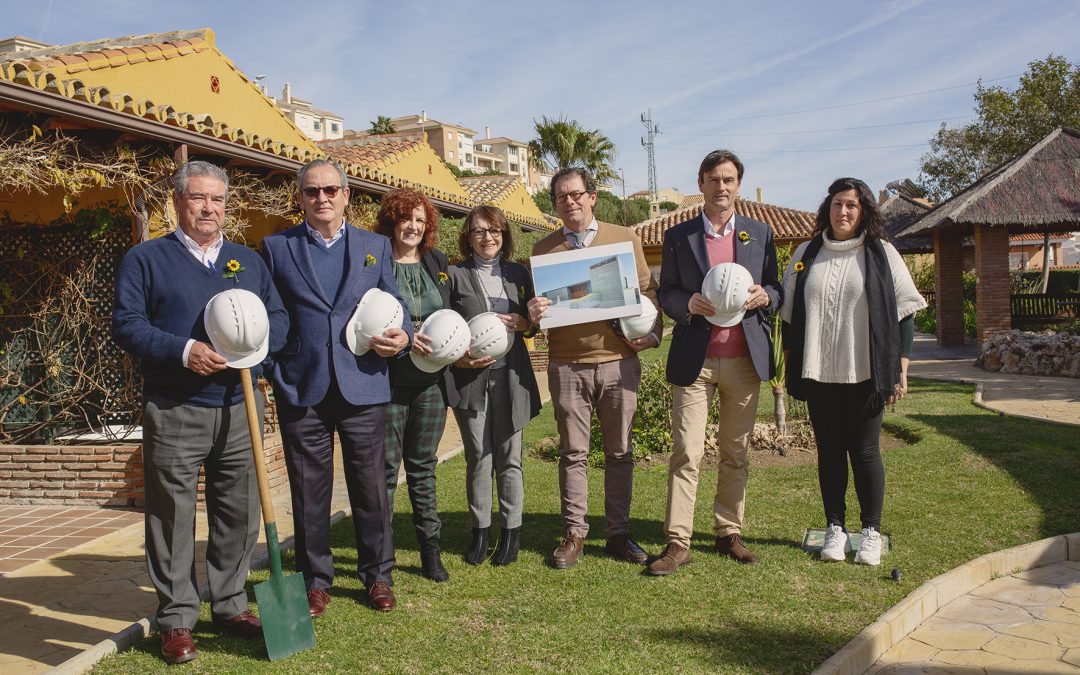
596	342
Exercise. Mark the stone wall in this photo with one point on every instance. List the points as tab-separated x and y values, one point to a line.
1027	353
96	475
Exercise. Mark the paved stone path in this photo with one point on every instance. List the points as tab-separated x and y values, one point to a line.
1028	622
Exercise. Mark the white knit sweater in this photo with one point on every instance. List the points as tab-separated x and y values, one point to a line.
837	337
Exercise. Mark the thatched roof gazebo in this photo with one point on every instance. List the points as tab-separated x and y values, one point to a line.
1037	191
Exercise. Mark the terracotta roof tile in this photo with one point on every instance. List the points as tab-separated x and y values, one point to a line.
787	224
488	189
371	151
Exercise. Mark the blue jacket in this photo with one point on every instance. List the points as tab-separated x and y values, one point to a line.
315	351
161	294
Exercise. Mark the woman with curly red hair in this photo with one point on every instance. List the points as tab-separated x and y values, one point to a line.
416	415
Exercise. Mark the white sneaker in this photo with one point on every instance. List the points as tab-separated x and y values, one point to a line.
870	548
836	544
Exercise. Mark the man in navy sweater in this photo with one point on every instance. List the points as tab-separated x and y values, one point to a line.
194	412
322	267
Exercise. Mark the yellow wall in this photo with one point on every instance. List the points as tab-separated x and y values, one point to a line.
424	167
32	208
519	201
184	83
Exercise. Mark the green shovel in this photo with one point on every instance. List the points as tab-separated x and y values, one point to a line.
283	605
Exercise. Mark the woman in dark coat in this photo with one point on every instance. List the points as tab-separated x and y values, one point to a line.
496	397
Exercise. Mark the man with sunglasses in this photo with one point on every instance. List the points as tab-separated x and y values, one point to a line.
322	268
592	369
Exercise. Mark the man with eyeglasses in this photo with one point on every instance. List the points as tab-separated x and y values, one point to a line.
322	267
592	369
193	413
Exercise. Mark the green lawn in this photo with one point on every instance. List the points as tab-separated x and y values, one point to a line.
968	483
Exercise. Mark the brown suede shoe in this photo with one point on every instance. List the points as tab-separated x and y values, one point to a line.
567	553
623	547
381	596
732	546
244	625
317	600
177	646
673	557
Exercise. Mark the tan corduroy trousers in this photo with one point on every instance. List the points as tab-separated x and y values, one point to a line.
609	389
736	385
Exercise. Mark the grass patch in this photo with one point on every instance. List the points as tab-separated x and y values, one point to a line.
970	482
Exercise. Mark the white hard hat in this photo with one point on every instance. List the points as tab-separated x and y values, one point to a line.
634	327
490	336
726	288
449	339
238	327
377	312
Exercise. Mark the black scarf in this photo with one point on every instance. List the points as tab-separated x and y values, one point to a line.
884	328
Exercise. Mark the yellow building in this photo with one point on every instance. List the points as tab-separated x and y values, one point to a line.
509	194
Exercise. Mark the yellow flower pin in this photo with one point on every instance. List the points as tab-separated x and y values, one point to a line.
232	269
799	266
443	278
369	260
745	237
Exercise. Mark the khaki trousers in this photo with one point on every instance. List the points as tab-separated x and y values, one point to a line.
609	389
736	384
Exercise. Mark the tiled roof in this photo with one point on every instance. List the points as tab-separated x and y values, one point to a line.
692	200
46	69
1038	237
787	224
488	189
370	151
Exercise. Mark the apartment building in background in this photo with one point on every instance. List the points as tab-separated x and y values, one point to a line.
318	125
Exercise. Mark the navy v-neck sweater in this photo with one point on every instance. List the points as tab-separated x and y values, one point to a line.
161	293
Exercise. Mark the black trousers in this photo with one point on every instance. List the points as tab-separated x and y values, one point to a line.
847	424
308	436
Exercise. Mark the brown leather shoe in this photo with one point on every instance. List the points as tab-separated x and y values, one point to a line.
673	557
623	547
381	596
177	645
317	600
244	625
567	552
732	546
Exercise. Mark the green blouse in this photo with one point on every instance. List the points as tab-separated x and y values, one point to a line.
423	299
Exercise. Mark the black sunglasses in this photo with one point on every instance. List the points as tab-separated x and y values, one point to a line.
330	190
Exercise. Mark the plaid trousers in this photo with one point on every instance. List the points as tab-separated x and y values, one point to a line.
415	419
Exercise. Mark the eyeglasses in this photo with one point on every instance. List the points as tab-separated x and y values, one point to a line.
331	191
480	234
575	195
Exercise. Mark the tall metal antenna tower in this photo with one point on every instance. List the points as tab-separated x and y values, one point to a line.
649	143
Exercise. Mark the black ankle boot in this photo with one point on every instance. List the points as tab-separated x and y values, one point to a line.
479	546
507	550
431	563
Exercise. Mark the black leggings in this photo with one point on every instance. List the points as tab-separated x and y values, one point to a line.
847	423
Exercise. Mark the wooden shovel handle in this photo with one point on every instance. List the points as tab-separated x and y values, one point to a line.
255	431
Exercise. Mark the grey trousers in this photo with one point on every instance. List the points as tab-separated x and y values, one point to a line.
177	440
491	443
609	389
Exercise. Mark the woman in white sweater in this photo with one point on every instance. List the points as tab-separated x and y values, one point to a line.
849	305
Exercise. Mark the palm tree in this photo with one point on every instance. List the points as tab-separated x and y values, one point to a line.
382	125
560	143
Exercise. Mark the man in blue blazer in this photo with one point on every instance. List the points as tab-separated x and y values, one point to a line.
322	267
707	359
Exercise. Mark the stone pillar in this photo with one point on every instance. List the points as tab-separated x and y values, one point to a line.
949	287
993	312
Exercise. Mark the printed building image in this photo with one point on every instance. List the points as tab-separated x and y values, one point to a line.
606	287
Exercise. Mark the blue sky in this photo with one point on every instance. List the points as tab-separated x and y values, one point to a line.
803	92
564	274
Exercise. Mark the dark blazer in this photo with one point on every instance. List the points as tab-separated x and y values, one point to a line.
682	270
467	298
434	263
316	351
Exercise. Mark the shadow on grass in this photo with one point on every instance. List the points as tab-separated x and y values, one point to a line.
1043	458
741	645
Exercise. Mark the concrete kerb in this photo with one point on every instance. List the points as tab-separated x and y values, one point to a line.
899	621
128	637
